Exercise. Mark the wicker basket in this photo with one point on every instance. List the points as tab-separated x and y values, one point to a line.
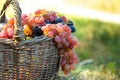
35	59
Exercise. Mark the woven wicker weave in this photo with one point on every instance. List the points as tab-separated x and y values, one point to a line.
35	59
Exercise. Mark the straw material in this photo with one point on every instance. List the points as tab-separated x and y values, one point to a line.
35	59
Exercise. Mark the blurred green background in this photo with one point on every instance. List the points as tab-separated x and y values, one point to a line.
99	42
111	6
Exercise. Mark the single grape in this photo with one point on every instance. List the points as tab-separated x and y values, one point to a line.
50	33
43	24
3	34
59	45
52	18
54	30
37	19
72	28
49	26
62	35
42	19
70	52
64	19
65	72
27	30
37	12
66	69
37	30
57	39
24	21
67	44
11	21
66	28
54	14
43	11
58	20
46	17
10	32
9	25
45	28
31	21
48	21
71	46
72	67
66	54
63	62
24	16
70	23
59	29
63	40
74	42
75	60
53	26
70	61
60	52
70	38
73	56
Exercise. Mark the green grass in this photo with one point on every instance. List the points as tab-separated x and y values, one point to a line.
99	41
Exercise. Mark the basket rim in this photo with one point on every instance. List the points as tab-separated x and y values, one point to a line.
35	39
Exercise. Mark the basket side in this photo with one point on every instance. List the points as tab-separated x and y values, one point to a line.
8	69
38	60
6	62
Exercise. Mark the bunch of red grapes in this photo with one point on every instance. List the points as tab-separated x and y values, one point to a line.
7	30
65	44
32	23
48	23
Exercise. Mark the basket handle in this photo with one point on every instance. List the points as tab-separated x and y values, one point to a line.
2	13
18	30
